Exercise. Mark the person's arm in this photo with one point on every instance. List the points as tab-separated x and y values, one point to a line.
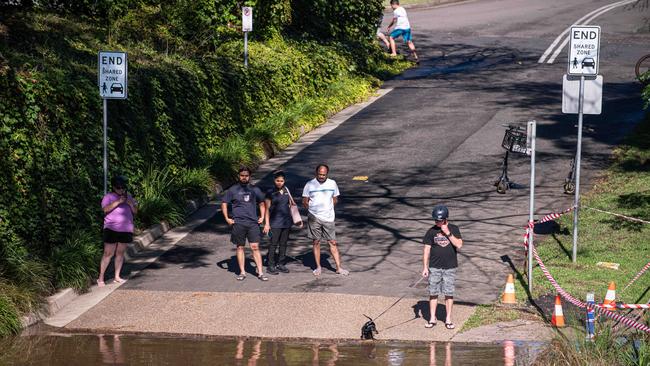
335	200
133	205
113	205
392	21
425	260
455	241
262	212
224	211
267	216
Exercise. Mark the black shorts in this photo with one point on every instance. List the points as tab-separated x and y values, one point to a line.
113	237
241	232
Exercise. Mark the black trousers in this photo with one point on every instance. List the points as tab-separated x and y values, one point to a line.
279	238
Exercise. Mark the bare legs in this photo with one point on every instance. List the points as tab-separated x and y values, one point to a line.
393	50
257	257
111	249
334	249
433	304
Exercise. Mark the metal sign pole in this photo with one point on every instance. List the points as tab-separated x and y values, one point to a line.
246	49
532	127
105	147
576	201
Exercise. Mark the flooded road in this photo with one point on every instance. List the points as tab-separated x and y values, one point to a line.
86	349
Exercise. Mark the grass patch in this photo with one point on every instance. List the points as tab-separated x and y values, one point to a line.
609	348
495	313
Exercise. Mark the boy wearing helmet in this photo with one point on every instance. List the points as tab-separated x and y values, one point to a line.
439	259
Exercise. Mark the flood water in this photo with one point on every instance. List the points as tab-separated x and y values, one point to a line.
92	349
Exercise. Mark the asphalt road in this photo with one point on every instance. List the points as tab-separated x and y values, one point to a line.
435	138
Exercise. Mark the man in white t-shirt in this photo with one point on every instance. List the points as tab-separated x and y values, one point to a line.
319	197
402	29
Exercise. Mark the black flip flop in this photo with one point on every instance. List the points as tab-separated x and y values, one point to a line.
450	326
241	277
430	324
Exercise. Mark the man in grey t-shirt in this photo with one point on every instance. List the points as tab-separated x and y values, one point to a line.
319	197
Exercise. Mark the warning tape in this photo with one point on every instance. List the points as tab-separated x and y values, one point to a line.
615	214
629	322
626	306
641	272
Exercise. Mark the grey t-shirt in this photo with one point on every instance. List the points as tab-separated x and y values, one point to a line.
244	200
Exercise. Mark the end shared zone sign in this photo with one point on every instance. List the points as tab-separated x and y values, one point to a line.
113	70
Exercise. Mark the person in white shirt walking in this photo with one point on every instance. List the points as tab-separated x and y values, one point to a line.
402	29
319	197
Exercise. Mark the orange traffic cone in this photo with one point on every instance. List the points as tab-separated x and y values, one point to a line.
610	297
558	316
509	293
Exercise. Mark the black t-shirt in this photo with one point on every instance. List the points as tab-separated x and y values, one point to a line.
280	216
443	253
244	200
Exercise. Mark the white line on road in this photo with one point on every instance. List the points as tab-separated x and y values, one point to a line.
584	20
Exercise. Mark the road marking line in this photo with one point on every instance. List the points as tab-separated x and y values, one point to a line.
584	20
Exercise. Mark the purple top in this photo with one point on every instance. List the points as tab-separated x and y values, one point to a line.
121	218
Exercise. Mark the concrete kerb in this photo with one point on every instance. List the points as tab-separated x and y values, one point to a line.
63	297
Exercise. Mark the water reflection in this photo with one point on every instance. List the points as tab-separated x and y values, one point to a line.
70	349
111	354
509	353
333	354
432	354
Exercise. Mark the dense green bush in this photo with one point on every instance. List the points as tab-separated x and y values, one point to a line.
75	262
337	20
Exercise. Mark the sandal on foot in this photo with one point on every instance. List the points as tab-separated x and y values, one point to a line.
450	326
119	280
343	272
316	272
100	283
430	324
262	277
241	277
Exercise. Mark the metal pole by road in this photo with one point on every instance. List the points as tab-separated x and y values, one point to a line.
105	147
532	127
576	201
246	49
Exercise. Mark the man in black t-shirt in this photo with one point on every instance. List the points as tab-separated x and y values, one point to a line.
439	259
245	199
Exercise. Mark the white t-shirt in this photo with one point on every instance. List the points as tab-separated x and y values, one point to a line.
320	196
402	21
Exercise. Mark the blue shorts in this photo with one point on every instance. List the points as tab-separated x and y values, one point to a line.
404	33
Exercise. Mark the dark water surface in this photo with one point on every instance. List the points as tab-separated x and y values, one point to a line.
84	349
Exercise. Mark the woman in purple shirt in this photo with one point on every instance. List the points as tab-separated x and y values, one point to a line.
119	208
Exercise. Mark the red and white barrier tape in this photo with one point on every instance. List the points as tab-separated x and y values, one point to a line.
626	306
628	322
641	272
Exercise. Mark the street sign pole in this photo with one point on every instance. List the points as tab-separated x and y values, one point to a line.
246	26
105	146
576	201
112	81
246	49
532	133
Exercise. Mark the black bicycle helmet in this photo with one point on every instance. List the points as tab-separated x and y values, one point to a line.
440	212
